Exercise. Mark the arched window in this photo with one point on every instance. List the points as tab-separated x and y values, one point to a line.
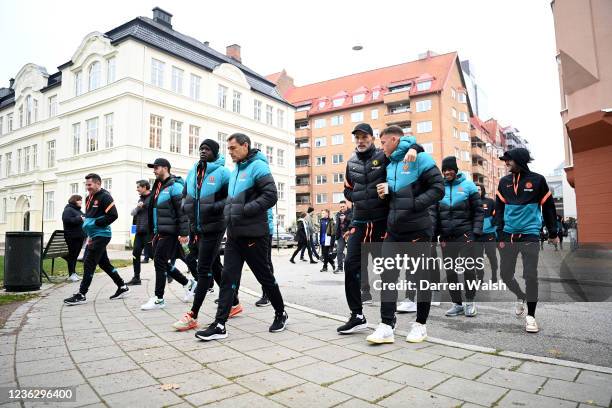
94	76
29	110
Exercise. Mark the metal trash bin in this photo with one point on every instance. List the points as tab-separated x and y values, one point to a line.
22	261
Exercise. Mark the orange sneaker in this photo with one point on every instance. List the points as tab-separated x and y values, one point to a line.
187	322
235	310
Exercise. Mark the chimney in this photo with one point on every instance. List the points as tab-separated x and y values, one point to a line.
233	51
206	43
162	17
11	83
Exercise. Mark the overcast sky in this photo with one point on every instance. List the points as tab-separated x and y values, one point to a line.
510	42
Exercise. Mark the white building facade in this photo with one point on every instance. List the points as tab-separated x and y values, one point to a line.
138	92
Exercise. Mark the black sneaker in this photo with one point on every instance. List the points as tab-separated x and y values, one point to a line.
337	271
264	301
215	331
313	262
121	292
353	325
292	261
366	298
303	260
134	281
280	323
323	270
76	299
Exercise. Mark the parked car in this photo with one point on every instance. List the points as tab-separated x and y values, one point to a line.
283	239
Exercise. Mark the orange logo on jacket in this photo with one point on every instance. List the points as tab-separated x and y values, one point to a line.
211	179
528	184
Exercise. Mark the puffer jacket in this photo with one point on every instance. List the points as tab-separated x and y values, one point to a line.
204	196
72	221
141	215
488	207
251	192
166	213
364	171
460	211
100	213
413	188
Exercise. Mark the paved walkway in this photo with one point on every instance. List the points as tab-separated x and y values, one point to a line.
117	355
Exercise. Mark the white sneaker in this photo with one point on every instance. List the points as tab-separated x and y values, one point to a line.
74	277
382	334
531	326
435	298
406	306
417	334
154	303
520	308
190	289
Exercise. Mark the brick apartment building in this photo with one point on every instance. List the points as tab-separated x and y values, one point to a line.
426	97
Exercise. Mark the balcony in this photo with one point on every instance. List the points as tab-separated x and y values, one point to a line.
303	133
392	118
301	115
302	150
395	97
477	151
302	189
478	169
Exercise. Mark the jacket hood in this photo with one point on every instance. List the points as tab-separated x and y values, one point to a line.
211	166
520	156
459	179
402	148
253	155
70	205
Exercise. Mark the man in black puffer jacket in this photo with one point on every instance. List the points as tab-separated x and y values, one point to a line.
458	219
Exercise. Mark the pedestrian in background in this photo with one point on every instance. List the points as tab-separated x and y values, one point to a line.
72	218
343	220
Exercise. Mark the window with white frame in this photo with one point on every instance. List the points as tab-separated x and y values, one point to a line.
194	141
107	184
358	98
465	156
337	139
111	70
35	110
376	132
319	123
236	102
19	161
338	102
21	115
109	131
280	220
49	205
457	153
423	106
78	87
454	113
357	116
463	117
428	147
320	161
303	108
26	159
424	127
177	80
76	138
338	178
270	154
423	86
52	106
337	197
337	120
280	118
320	141
155	132
51	153
374	114
222	140
455	133
461	97
269	115
222	97
258	146
257	110
280	157
157	72
74	188
176	130
35	155
9	122
280	190
464	137
29	109
400	88
92	134
94	75
194	87
321	198
338	158
8	162
321	179
322	104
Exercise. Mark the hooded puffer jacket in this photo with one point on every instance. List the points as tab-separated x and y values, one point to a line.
204	195
251	192
460	211
413	188
167	214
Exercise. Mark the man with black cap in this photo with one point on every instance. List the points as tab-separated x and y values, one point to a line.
458	219
170	227
204	198
487	240
522	199
364	171
251	192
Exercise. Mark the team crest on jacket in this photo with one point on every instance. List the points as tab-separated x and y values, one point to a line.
211	179
375	162
243	176
406	167
528	184
460	189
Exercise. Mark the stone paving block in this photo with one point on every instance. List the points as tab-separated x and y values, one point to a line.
303	328
176	335
65	378
216	394
85	395
302	343
457	367
89	343
237	366
356	403
193	343
413	357
332	353
140	344
131	334
36	342
513	380
325	334
294	363
144	397
345	340
322	372
49	352
516	399
366	387
171	366
98	353
276	337
250	400
269	381
491	360
274	354
118	327
42	366
371	365
7	374
213	354
595	378
413	397
549	370
310	395
121	382
108	366
195	381
447	351
57	331
415	377
471	391
375	349
247	344
154	354
585	393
